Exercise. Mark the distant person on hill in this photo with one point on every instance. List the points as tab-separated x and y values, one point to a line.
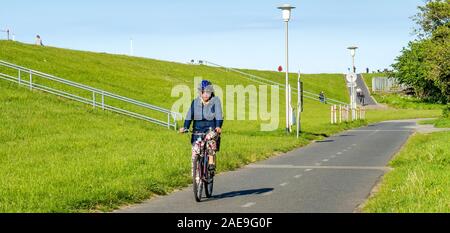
39	41
360	95
322	97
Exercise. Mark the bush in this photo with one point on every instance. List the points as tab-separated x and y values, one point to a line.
446	111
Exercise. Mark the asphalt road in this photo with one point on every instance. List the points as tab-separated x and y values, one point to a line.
329	176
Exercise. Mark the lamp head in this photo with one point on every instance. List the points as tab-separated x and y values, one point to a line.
286	10
352	50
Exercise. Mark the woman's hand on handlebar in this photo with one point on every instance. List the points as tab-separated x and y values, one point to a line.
183	130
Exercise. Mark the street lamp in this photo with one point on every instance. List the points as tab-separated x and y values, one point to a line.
353	53
352	84
286	10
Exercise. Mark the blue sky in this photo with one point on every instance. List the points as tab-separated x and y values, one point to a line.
245	34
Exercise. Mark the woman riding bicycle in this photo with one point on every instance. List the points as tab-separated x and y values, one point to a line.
206	112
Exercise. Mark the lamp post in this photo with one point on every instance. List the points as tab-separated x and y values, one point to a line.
286	11
299	104
353	53
352	88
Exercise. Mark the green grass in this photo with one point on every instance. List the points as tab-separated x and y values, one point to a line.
438	123
399	114
420	181
401	101
60	156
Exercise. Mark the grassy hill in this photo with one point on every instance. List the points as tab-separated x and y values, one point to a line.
57	155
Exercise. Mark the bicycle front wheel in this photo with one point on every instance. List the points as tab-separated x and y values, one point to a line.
209	185
197	179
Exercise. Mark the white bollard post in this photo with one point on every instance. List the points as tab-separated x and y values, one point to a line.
331	111
346	114
335	113
353	114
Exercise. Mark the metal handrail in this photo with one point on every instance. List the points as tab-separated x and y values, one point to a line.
172	117
261	80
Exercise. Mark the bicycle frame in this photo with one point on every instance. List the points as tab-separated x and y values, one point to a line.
202	156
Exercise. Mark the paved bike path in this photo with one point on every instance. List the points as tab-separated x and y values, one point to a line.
368	100
333	175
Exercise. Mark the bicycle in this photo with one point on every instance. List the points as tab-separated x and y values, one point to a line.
203	177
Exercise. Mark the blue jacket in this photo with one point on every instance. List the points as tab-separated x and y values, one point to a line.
204	116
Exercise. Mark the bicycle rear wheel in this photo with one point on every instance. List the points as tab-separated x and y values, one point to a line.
197	179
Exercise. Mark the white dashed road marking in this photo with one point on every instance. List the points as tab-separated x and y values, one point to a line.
250	204
283	184
382	130
310	168
297	176
325	160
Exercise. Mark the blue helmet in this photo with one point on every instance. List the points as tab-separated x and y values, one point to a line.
206	85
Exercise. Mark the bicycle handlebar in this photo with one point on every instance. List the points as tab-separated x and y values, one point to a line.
186	131
195	133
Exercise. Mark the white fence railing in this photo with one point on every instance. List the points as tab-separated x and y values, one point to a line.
380	84
97	98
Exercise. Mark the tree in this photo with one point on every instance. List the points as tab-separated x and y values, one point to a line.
438	60
425	63
434	14
412	70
